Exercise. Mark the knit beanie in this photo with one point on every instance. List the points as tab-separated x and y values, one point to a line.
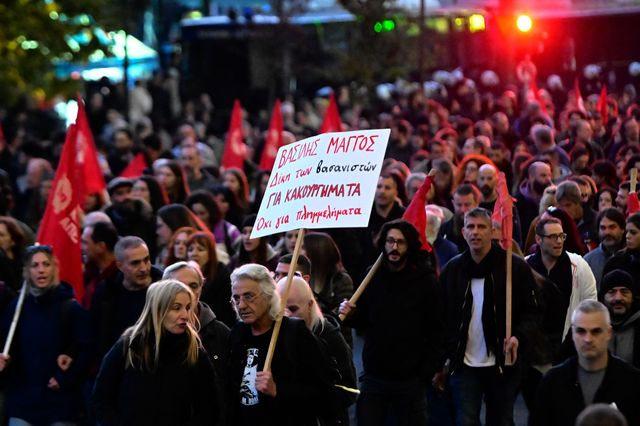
618	278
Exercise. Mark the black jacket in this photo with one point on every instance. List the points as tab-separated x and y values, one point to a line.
340	357
400	314
109	319
455	282
303	379
175	394
560	400
217	294
214	336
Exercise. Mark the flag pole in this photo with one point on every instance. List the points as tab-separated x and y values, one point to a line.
283	301
16	317
508	360
365	282
376	265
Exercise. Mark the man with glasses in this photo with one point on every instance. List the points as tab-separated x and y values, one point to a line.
400	315
573	280
299	384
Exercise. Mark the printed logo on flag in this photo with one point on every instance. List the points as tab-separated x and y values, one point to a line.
63	194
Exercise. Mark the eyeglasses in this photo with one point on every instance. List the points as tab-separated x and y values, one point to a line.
561	236
390	241
247	298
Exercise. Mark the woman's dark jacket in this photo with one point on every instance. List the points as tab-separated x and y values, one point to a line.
49	325
174	394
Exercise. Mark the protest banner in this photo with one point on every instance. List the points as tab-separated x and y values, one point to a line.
326	181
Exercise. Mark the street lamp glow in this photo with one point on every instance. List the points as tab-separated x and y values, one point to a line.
476	23
524	23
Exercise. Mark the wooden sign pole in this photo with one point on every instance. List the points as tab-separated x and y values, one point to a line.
283	301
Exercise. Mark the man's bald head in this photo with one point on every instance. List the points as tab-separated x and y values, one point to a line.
487	181
300	302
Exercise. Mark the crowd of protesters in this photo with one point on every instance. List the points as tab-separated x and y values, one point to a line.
180	302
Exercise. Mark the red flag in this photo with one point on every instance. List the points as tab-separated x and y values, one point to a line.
331	121
416	214
578	96
235	151
60	226
136	167
633	205
603	107
503	212
274	138
87	156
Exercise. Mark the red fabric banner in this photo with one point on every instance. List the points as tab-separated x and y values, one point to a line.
416	214
275	138
331	121
603	107
136	167
61	224
503	212
87	156
235	151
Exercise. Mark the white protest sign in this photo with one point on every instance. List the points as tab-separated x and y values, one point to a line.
326	181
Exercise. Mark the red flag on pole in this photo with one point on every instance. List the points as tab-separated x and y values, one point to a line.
60	226
87	156
633	205
331	121
503	212
274	138
235	151
416	214
603	107
578	96
136	167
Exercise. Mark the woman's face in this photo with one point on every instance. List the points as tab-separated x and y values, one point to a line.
180	246
6	242
633	236
141	190
201	211
166	178
248	243
471	172
232	182
199	254
41	270
177	317
605	201
162	231
222	203
290	239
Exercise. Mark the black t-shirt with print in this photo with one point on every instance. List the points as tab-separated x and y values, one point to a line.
252	404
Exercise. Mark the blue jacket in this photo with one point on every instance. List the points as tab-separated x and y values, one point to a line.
49	325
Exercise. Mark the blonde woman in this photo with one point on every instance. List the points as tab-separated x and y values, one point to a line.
51	348
157	373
